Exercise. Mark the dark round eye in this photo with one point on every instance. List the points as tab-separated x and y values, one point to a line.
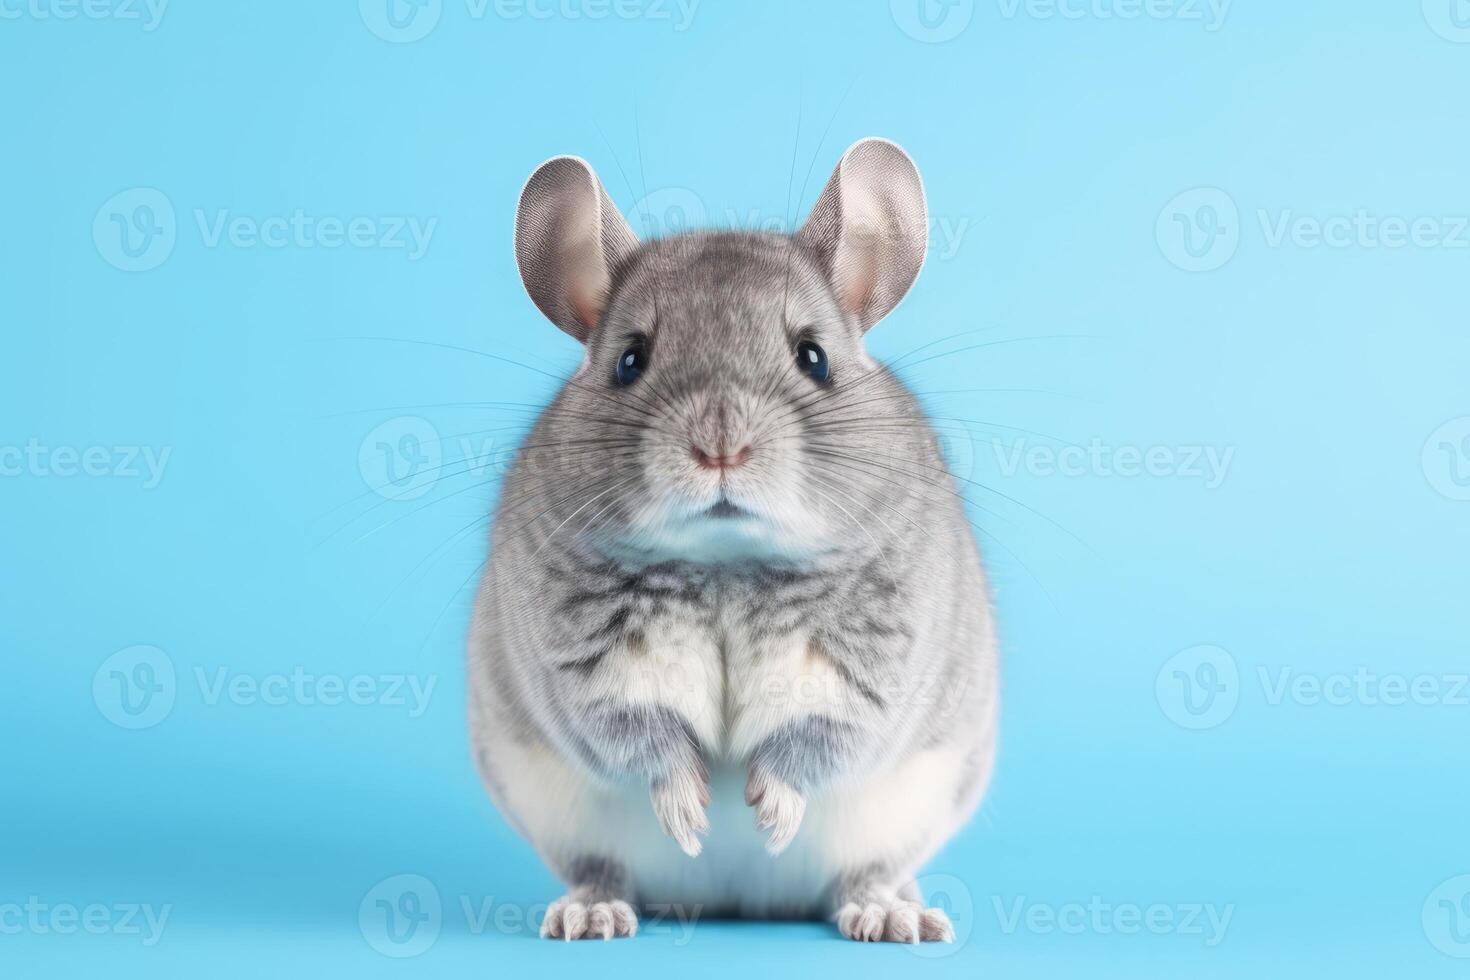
631	363
811	360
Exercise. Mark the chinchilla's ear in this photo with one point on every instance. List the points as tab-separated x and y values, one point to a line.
870	228
569	238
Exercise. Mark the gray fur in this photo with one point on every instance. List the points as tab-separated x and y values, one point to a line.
608	586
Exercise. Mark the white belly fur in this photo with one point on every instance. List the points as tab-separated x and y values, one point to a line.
897	815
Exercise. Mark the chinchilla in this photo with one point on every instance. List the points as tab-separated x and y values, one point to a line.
733	653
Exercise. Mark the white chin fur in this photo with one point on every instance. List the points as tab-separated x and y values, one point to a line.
655	531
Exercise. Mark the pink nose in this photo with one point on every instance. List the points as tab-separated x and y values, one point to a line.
728	462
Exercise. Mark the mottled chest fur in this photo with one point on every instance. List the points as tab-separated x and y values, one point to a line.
736	650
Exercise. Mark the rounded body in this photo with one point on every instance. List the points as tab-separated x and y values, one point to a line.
733	653
900	637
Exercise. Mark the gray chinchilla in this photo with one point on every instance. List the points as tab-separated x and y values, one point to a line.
733	653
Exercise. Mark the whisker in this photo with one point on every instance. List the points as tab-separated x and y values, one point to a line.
441	550
988	489
617	486
581	448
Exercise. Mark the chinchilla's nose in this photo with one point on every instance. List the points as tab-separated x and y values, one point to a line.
720	436
722	461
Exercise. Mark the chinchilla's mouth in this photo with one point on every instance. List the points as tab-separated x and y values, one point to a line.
725	510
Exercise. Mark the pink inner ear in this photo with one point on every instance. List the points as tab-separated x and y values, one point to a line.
857	275
585	281
588	308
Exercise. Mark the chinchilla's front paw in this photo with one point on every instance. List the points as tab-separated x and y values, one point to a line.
779	807
679	801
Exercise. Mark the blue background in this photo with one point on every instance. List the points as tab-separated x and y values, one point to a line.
1066	314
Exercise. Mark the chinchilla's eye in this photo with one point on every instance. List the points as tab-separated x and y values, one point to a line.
632	363
811	360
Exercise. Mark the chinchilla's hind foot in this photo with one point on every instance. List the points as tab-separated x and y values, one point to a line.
897	921
870	910
569	919
595	908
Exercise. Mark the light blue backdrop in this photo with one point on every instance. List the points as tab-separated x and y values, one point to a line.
1198	279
